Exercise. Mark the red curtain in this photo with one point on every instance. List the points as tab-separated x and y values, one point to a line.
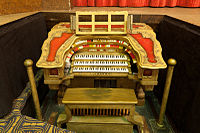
158	3
113	2
100	3
80	3
123	3
137	3
91	2
188	3
171	3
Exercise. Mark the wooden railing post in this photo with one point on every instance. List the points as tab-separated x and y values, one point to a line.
28	63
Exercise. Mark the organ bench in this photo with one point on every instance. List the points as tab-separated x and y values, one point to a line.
101	109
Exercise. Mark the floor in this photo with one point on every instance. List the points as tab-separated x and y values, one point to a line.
190	15
13	17
150	111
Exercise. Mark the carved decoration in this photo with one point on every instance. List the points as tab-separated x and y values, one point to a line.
133	45
143	59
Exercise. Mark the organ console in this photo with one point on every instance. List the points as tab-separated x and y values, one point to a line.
101	63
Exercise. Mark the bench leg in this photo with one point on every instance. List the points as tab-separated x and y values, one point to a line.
136	119
68	113
64	117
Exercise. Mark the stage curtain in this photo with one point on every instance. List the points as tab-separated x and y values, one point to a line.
113	2
80	2
188	3
91	2
138	3
154	3
123	3
101	3
146	2
161	3
73	3
171	3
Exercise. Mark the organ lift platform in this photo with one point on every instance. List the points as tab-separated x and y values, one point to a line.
101	63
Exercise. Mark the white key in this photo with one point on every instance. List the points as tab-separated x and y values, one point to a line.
111	57
99	69
101	63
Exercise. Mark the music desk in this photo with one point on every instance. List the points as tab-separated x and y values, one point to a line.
101	110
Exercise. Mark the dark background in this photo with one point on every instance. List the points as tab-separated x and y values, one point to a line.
181	41
23	39
19	40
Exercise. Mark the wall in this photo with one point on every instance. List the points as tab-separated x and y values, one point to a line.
19	6
55	4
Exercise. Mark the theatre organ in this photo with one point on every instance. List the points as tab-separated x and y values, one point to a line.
101	63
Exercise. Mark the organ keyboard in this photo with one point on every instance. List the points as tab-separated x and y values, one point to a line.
101	69
100	63
100	56
90	62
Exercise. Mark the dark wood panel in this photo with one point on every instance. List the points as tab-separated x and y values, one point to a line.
151	20
53	18
19	40
180	40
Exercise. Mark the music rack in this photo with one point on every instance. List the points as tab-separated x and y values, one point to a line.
121	26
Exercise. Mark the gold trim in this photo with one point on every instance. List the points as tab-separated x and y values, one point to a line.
141	54
60	26
143	60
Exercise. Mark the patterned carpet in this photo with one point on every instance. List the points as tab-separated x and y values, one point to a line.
25	124
15	122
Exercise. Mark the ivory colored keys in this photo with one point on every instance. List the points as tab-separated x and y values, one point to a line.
100	63
100	56
100	69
